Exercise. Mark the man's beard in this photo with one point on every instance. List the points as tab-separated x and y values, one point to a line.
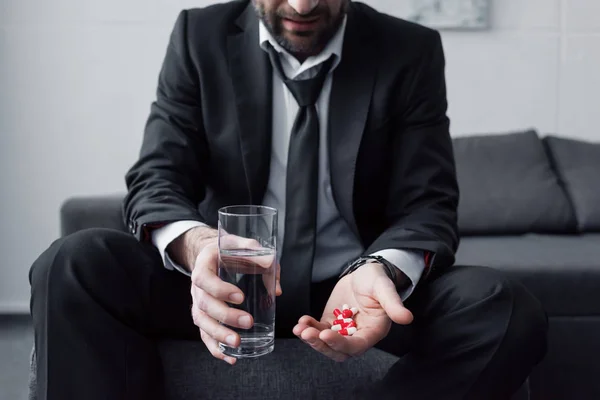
316	41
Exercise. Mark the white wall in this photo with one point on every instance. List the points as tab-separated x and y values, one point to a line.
77	78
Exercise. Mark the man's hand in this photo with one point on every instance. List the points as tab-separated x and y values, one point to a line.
210	294
185	249
371	291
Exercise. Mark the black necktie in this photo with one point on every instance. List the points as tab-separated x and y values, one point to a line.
302	178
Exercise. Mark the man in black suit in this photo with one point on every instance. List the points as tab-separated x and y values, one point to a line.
336	115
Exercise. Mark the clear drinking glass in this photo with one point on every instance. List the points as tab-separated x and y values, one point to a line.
247	259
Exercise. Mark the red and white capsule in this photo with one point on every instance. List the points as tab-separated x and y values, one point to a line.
343	325
337	327
342	321
350	312
337	312
347	331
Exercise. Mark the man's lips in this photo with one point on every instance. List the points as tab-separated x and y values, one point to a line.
299	24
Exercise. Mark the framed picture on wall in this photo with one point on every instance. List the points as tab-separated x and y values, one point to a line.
451	14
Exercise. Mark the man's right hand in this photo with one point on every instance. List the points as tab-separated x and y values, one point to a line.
210	294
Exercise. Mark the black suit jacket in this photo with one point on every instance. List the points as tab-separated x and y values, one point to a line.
207	142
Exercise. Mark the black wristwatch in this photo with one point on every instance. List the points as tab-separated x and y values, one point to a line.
390	269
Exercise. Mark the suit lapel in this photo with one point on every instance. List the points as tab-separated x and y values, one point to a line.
351	93
251	75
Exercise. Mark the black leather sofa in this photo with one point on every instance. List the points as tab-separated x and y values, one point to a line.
529	206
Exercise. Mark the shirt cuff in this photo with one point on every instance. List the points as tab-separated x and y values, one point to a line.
162	237
410	262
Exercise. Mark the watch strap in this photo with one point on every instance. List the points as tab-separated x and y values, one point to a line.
390	269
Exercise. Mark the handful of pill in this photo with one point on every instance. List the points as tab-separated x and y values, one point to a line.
344	324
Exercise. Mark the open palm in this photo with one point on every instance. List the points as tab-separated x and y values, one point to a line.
374	295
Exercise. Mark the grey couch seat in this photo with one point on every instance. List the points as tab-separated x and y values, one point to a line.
562	271
292	371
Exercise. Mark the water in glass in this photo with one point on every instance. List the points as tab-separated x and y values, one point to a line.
253	271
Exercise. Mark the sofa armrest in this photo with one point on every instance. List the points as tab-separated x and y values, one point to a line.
78	213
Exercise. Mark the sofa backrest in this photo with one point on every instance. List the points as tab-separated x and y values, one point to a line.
577	164
510	185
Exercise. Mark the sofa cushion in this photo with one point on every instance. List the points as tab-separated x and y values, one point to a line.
293	370
578	166
507	186
563	272
78	213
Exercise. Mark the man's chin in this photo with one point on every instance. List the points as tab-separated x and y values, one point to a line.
304	36
300	43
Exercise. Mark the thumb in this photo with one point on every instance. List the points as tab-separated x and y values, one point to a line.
388	297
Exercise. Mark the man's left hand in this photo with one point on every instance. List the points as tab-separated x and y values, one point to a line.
372	292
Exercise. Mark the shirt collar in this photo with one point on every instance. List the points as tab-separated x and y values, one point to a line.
294	68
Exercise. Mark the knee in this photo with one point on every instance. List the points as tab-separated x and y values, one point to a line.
476	288
525	333
529	322
74	258
490	291
509	303
527	319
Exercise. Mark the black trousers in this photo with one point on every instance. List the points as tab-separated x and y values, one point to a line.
100	300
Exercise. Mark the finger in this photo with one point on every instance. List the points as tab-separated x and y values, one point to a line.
221	312
310	321
270	282
243	264
213	346
205	277
298	329
215	330
387	295
307	321
351	345
278	290
209	282
311	336
230	241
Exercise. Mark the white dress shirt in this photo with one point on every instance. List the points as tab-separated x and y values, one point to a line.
336	245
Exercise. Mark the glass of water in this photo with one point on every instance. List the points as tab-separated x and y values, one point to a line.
248	260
